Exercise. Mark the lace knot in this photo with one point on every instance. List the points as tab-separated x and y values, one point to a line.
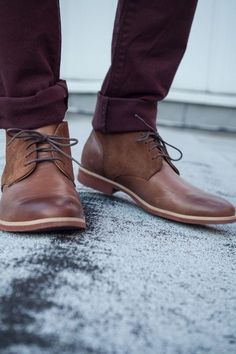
153	136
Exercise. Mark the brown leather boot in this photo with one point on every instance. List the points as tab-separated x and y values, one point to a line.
138	164
38	191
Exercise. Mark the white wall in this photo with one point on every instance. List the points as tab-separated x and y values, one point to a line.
207	73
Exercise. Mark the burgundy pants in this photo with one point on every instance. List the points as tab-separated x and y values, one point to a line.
149	41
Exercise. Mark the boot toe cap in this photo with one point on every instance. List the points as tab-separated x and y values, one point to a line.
50	208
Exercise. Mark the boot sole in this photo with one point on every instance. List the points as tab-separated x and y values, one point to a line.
106	186
47	224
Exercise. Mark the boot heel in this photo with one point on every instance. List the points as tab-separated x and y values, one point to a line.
95	183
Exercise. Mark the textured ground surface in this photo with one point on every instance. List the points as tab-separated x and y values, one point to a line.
131	283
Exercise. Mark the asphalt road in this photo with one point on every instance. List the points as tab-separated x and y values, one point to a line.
131	283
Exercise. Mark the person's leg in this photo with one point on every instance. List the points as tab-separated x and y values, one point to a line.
38	191
124	151
149	41
31	92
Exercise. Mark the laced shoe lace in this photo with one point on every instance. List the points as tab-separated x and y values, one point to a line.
54	144
153	138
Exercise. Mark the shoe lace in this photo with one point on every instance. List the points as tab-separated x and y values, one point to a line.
55	144
152	136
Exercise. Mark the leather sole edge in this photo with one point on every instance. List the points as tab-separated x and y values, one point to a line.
50	224
104	185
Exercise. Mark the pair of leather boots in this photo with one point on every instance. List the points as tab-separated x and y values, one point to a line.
38	190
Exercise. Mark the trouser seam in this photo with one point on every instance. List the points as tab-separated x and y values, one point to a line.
119	55
58	64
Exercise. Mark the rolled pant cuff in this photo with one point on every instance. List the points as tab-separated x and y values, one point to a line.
117	115
46	107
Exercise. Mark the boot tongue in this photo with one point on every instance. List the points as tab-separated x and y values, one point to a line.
47	130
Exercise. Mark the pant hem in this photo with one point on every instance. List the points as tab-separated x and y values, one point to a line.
46	107
116	115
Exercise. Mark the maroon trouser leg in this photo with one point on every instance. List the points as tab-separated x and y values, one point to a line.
31	93
149	41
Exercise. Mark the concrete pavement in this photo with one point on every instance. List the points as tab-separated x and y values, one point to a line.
131	283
